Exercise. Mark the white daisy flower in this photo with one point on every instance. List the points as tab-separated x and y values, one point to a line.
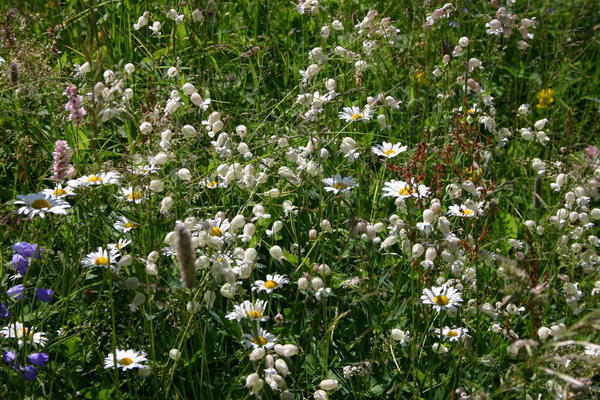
337	184
451	334
262	339
125	359
39	204
404	190
133	195
146	169
211	183
471	210
124	225
102	258
248	310
388	150
59	191
351	114
103	178
24	334
442	297
273	282
121	244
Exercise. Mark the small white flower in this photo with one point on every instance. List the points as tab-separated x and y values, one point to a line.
248	310
451	334
263	339
403	190
39	204
271	283
388	150
125	359
23	334
442	297
354	113
337	184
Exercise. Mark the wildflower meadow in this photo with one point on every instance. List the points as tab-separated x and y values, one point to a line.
300	199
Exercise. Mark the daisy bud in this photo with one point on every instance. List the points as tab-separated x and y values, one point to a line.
184	174
189	131
329	384
282	367
174	354
321	395
312	234
146	128
166	204
257	354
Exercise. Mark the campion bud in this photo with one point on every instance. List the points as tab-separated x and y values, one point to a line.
184	174
170	238
329	384
172	72
303	284
543	333
131	283
151	269
276	227
330	84
189	131
193	307
523	109
286	350
202	262
84	68
439	348
160	158
237	223
473	63
156	186
250	254
312	234
125	261
276	252
530	224
146	128
228	290
254	383
417	250
189	89
129	68
382	121
174	354
454	191
241	130
185	256
282	367
399	335
325	31
337	25
321	395
326	226
249	229
595	214
389	241
473	85
463	41
539	125
323	154
166	204
317	283
257	354
360	66
430	254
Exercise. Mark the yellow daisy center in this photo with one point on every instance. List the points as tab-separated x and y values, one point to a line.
354	117
270	284
254	314
405	191
101	260
260	340
25	333
94	179
452	333
134	195
125	361
216	231
59	192
212	184
466	211
41	203
389	152
340	186
129	225
441	300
